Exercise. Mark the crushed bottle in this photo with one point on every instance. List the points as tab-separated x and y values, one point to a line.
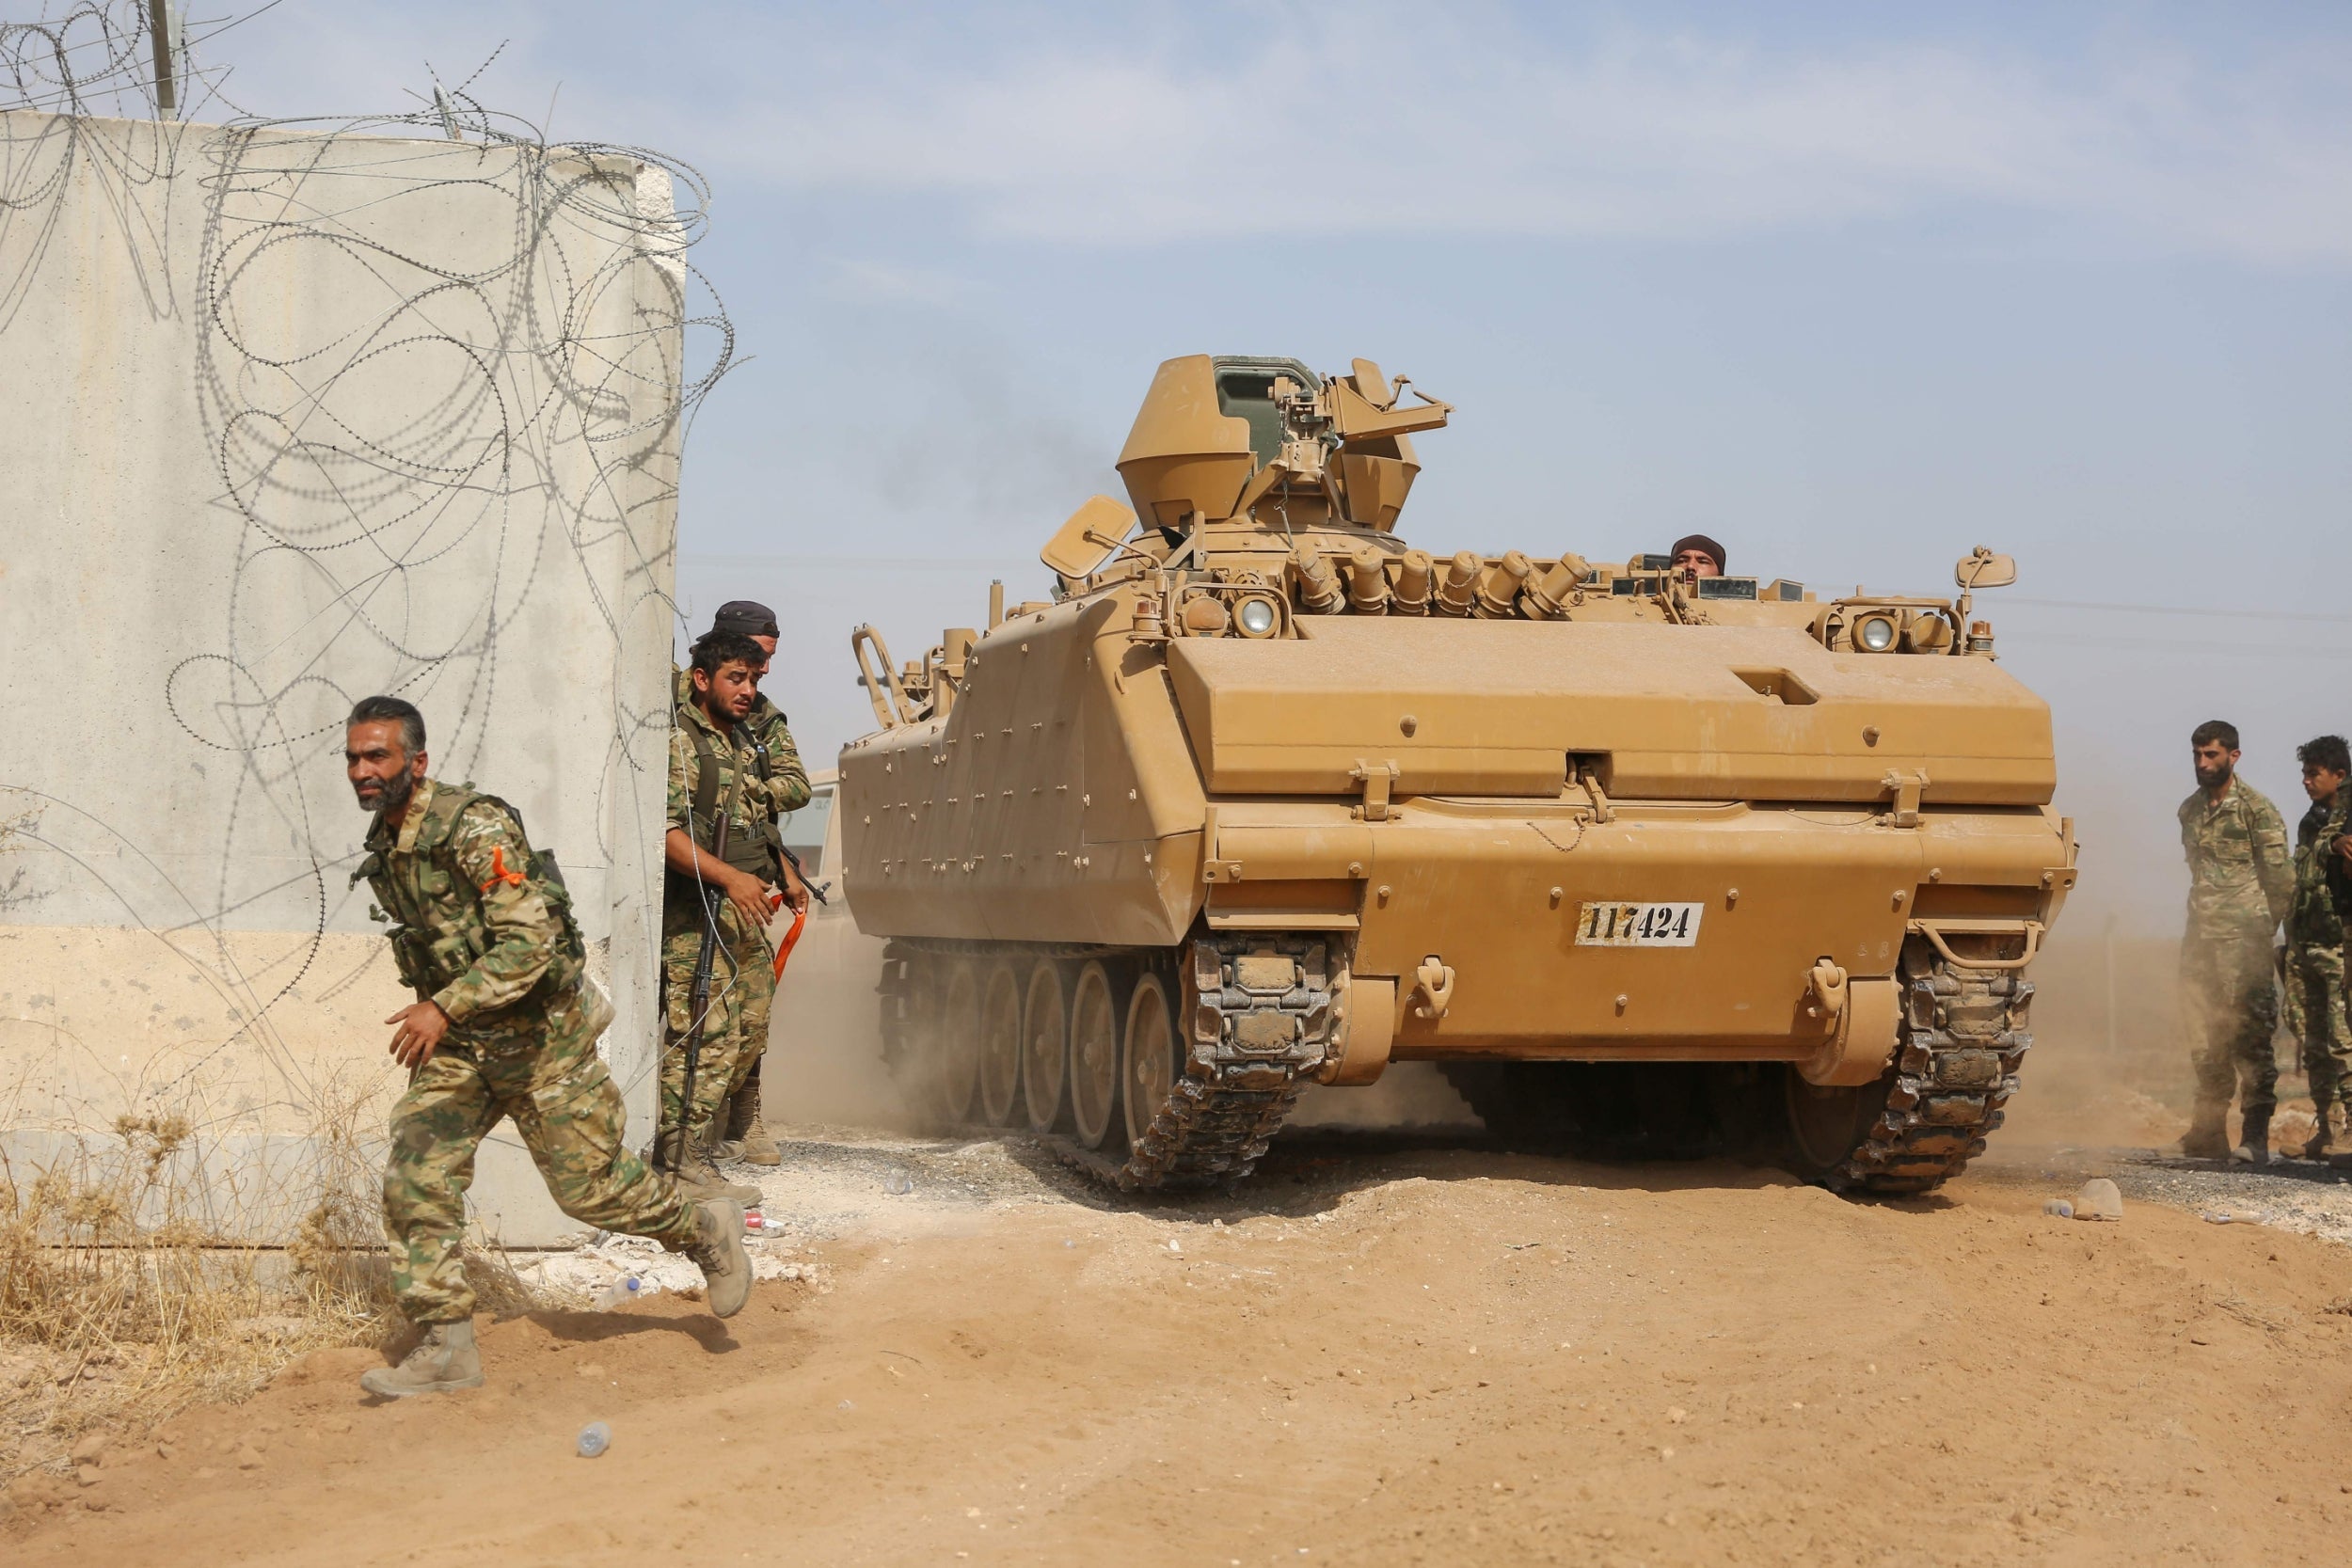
593	1439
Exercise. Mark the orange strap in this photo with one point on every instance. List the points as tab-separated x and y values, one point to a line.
784	948
499	872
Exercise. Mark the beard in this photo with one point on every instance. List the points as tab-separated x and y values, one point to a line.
2212	778
390	794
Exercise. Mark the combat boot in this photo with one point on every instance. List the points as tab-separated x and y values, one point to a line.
444	1360
2207	1137
748	1138
698	1176
717	1249
2254	1147
2321	1137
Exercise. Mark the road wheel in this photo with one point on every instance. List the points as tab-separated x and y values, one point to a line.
999	1042
1044	1047
1093	1055
954	1042
1148	1059
1827	1122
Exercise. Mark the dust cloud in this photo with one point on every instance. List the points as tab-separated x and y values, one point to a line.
824	1063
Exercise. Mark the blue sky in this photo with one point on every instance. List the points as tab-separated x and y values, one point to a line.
1852	288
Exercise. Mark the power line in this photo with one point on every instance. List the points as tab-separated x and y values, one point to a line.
1994	603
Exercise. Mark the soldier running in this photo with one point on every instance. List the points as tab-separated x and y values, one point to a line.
2240	883
2315	930
504	1024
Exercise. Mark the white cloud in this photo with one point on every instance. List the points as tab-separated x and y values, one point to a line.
1410	125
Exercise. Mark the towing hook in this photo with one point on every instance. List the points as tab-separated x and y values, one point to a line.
1433	988
1828	987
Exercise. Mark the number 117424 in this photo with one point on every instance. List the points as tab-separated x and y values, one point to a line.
1639	925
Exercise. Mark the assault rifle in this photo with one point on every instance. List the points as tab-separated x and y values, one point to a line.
698	1000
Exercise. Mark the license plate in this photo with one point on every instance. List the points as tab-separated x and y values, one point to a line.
1633	924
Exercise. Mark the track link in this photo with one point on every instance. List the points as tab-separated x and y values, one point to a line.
1258	1023
1964	1037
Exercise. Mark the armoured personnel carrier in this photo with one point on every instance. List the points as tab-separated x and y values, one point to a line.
1265	797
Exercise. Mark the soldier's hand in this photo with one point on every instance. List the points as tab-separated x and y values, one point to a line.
419	1035
749	895
795	890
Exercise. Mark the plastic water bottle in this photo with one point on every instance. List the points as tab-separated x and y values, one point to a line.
898	1182
593	1439
627	1289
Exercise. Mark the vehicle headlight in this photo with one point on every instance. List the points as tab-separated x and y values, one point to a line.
1257	617
1875	634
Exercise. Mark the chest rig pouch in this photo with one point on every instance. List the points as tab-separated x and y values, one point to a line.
437	928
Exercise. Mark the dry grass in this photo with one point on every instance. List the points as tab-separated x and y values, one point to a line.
119	1305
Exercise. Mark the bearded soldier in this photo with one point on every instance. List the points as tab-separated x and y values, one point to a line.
2240	882
504	1024
2315	930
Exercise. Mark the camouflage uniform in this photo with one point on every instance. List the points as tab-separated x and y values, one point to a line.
2314	955
481	928
2240	881
784	781
784	785
742	978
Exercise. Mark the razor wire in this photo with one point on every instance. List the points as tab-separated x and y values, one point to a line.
545	409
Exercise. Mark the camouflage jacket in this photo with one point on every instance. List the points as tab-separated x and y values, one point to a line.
2241	877
479	923
782	778
752	844
2323	888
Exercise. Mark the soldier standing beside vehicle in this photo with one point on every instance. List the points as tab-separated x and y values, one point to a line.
728	887
778	771
2241	881
2316	931
504	1024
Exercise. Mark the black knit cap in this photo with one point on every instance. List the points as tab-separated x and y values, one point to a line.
745	618
1688	542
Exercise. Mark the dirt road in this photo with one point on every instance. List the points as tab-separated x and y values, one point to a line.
1378	1352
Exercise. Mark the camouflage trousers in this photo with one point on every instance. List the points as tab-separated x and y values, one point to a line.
2232	1000
758	1008
2315	994
742	989
549	1079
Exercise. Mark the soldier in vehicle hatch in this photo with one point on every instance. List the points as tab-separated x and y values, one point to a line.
1698	555
2316	932
504	1024
2241	882
777	770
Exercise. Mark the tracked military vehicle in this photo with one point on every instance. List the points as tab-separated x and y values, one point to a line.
1265	797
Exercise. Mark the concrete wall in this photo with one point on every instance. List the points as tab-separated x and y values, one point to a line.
286	420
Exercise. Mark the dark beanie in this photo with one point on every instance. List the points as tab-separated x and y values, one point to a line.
745	619
1688	542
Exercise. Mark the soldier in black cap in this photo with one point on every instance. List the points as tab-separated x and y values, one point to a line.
1698	555
745	1134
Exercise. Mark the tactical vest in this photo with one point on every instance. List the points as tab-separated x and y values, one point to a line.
2323	892
761	852
431	956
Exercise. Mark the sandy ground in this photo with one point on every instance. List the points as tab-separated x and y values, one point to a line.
1386	1349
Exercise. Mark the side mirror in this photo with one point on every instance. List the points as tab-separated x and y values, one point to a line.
1983	569
1091	536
